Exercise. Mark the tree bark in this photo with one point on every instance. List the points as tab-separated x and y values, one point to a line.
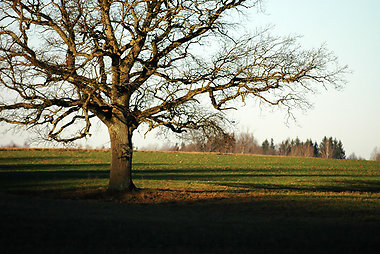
121	157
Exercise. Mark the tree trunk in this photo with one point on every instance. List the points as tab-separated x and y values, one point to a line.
121	157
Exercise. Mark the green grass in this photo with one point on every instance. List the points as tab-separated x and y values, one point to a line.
46	169
252	204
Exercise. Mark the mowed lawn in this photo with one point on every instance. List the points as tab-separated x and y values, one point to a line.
56	200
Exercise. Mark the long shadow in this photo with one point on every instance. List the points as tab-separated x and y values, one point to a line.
265	226
38	173
61	166
42	167
39	177
37	158
71	171
180	173
361	186
230	175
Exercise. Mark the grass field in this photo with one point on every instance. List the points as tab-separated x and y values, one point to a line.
55	200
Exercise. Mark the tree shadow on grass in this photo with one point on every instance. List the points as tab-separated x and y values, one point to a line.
63	167
232	178
185	220
36	158
38	174
344	186
238	172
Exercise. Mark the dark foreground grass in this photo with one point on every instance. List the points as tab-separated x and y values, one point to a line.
55	201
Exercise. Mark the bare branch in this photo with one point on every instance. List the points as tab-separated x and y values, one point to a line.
140	61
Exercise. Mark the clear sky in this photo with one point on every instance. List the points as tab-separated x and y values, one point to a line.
351	29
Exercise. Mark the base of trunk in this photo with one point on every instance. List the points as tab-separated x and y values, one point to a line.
131	187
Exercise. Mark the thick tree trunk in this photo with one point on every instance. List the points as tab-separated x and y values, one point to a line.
121	158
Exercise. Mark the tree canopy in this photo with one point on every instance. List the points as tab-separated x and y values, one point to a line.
64	62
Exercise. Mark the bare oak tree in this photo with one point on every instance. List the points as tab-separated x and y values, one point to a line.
128	62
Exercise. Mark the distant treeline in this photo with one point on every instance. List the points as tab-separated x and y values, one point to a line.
246	143
242	143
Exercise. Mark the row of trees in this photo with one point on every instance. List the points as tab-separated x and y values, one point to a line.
246	143
327	148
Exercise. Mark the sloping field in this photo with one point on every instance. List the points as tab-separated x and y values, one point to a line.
55	200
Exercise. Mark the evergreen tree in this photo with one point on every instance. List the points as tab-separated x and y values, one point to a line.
265	146
272	147
316	150
338	152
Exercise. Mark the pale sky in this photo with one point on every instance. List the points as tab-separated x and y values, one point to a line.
351	29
